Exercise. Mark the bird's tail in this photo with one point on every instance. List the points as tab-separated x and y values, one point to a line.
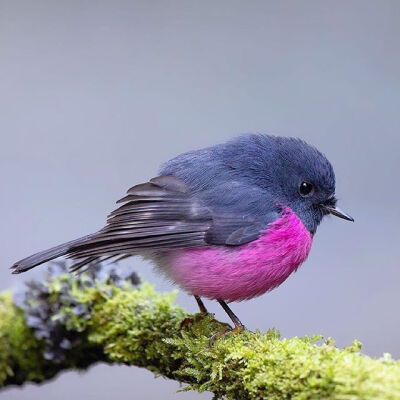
46	255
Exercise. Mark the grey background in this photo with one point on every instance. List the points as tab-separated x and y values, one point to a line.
94	95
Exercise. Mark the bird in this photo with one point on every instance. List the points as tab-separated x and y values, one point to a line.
228	222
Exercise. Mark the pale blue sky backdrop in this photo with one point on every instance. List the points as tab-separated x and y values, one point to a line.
94	95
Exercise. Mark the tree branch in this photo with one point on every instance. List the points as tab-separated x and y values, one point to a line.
71	322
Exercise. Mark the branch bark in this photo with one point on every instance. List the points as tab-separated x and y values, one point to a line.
71	322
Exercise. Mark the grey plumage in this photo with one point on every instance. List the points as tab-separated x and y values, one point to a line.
46	255
225	195
158	215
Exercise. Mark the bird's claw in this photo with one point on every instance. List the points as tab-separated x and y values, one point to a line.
230	331
189	321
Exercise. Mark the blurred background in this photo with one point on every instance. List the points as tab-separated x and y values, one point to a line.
94	95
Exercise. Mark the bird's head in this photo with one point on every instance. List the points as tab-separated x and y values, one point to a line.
294	173
304	180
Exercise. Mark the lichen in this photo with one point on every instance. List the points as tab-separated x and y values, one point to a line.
138	326
20	351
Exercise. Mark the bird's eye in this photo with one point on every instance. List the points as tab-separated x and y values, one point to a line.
306	189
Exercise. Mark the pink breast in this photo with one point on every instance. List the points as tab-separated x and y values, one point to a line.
243	272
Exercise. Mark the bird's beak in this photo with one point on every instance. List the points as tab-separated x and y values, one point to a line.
337	212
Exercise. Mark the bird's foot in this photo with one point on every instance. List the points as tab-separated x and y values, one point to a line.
189	321
239	328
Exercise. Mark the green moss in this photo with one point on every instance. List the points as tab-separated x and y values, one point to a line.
20	352
142	327
130	325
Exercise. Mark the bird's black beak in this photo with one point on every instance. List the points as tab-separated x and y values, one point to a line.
337	212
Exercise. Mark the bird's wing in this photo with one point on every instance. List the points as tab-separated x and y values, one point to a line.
164	214
155	215
240	213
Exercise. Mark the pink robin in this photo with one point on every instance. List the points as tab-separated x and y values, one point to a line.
229	222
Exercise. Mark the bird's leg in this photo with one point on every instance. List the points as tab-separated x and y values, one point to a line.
201	305
188	321
203	310
239	327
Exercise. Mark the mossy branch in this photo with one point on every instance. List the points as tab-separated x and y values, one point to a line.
71	323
